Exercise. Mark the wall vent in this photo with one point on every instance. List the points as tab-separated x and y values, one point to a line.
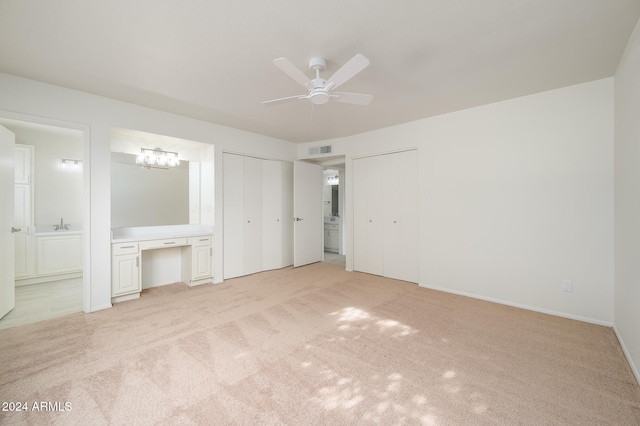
320	150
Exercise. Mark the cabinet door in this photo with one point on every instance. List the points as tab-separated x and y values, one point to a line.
233	219
58	255
201	262
125	275
252	241
334	240
271	215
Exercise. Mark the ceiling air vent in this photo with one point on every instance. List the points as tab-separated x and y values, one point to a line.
320	150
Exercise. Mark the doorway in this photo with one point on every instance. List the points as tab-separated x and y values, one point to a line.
333	178
49	198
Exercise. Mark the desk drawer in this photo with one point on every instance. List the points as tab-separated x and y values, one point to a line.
154	244
201	241
124	248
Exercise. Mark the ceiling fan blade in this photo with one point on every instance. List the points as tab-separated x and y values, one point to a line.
283	100
292	71
348	70
352	98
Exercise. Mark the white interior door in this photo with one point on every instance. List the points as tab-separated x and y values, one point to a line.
307	211
7	244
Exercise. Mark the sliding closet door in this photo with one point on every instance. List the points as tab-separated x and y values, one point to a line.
400	189
233	219
252	237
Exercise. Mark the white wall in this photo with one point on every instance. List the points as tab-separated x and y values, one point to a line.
515	197
26	97
627	201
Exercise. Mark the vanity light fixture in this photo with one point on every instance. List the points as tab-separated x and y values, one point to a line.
157	158
333	180
71	164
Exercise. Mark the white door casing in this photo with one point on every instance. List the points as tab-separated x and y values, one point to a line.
7	243
307	210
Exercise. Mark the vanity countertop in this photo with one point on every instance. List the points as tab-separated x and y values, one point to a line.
147	233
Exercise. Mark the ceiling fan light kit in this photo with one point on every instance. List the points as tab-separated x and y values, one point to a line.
320	90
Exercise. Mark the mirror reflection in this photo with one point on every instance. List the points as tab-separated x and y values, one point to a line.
148	196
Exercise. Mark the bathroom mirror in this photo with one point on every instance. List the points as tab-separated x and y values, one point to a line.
142	196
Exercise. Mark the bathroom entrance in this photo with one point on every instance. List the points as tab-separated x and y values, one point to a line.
333	207
48	223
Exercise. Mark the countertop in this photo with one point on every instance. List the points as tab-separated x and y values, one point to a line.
148	233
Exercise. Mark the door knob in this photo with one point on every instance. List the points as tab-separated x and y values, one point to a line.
14	230
297	219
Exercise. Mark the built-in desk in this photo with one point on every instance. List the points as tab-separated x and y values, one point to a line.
127	245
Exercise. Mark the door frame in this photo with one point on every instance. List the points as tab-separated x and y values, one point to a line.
86	189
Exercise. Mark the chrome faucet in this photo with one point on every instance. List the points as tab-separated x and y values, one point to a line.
62	226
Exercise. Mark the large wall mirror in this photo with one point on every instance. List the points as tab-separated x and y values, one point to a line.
148	196
158	196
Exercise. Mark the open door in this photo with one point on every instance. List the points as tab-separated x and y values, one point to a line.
307	211
7	244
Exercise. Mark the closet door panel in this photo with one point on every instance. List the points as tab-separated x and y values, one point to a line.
271	214
360	220
287	214
233	219
409	230
252	215
368	215
376	204
401	216
393	213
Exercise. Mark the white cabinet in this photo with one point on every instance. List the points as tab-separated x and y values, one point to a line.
196	262
386	215
201	258
331	237
258	215
125	269
58	254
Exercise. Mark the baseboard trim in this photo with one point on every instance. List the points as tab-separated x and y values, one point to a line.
627	355
518	305
101	307
47	278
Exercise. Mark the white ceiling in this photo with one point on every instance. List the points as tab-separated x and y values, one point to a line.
212	60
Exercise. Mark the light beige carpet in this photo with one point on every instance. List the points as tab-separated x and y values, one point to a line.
312	346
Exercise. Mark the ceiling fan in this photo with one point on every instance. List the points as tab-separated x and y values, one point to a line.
321	90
